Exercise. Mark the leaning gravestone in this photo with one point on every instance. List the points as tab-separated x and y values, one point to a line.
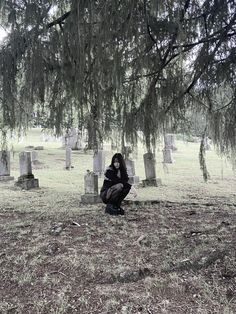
5	166
99	162
26	179
167	156
150	171
169	140
91	189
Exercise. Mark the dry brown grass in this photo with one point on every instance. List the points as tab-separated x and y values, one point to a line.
175	255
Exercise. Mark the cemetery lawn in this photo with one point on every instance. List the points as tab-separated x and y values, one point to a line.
172	252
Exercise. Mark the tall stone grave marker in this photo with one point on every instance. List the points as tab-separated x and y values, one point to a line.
26	179
99	162
5	166
133	179
150	171
68	158
91	189
167	156
169	140
34	157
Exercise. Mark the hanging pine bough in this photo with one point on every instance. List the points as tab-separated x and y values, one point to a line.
135	65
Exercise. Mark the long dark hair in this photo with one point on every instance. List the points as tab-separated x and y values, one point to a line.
121	161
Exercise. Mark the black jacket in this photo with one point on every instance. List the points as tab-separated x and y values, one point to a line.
111	178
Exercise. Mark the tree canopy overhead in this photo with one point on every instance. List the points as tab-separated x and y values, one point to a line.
134	65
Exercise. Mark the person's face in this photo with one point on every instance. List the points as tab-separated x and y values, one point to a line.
116	164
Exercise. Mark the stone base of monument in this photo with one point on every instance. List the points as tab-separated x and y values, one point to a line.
91	199
151	182
6	178
134	180
27	183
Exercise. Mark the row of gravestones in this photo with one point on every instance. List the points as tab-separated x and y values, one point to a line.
91	177
99	166
26	179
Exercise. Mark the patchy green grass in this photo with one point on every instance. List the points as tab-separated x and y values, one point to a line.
173	255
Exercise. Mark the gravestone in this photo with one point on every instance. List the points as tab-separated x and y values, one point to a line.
99	162
68	158
5	166
91	189
150	171
169	140
133	179
34	157
167	156
26	179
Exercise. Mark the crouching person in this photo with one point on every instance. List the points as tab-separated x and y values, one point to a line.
115	185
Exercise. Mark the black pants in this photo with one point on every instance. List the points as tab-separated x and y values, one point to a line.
115	194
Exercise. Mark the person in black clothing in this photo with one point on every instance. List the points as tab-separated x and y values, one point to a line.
115	185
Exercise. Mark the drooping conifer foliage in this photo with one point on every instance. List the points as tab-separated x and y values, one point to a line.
134	65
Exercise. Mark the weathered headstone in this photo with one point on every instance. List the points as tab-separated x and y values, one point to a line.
91	189
169	140
68	158
150	170
34	157
5	166
167	156
133	179
26	180
99	162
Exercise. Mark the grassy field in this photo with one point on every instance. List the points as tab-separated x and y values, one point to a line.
172	252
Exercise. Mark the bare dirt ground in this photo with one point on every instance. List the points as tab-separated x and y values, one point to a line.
60	256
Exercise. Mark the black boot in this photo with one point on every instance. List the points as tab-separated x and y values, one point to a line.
112	210
121	211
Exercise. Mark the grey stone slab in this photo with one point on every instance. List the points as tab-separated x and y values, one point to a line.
99	162
130	167
91	183
167	156
68	158
90	199
149	165
25	163
169	140
34	156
